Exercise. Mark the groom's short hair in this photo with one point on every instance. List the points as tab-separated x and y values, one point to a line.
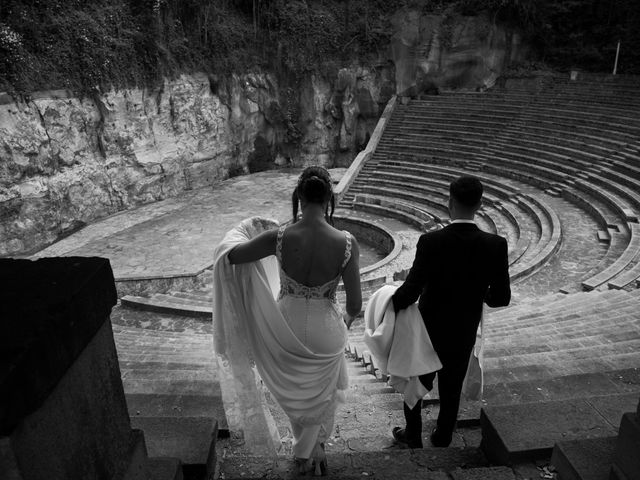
466	190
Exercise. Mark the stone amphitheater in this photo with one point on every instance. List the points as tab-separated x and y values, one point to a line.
560	161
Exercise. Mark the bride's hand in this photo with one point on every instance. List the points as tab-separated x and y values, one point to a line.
348	319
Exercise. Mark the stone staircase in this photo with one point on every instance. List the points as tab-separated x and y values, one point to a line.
172	392
570	352
559	370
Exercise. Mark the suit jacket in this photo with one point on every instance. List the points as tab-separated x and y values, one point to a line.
455	271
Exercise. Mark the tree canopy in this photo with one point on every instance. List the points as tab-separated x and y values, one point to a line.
83	44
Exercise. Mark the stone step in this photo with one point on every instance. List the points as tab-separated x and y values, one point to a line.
171	387
165	468
427	463
172	297
626	460
528	388
178	405
511	433
166	306
589	459
192	440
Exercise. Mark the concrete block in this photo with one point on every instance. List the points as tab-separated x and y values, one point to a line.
85	416
167	405
627	456
165	468
136	464
530	430
8	464
589	459
483	473
191	439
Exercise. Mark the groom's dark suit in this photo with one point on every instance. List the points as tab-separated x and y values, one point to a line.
455	271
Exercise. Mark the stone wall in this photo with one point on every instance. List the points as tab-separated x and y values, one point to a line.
67	161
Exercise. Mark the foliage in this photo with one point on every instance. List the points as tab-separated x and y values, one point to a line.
84	44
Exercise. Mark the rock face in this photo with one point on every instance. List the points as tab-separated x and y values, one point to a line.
439	51
67	161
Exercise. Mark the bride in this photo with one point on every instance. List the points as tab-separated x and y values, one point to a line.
300	353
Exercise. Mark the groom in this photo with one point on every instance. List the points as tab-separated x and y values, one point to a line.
455	271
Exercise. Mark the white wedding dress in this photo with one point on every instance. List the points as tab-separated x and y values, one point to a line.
294	333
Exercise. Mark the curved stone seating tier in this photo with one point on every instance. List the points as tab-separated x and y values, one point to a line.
626	165
538	245
622	131
539	128
628	259
572	148
589	112
563	161
550	239
392	207
561	111
435	204
569	176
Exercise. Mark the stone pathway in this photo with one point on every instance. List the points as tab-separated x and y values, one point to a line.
177	236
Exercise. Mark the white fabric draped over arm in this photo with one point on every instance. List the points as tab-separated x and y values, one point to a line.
233	337
401	345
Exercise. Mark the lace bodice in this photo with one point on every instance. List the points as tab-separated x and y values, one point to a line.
291	287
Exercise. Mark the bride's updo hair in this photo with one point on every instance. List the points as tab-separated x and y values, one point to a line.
314	186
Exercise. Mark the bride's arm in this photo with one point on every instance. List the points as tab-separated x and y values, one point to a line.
351	279
258	247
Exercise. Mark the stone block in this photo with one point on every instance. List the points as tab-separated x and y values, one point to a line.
136	464
191	439
589	459
52	309
167	405
165	468
627	456
8	464
530	430
84	417
603	236
483	473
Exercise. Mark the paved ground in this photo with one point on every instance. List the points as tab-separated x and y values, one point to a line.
177	236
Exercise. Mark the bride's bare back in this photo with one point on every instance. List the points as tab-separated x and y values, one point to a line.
313	254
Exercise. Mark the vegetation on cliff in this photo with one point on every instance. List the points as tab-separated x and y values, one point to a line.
81	44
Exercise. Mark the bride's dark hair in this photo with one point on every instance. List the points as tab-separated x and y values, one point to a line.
314	186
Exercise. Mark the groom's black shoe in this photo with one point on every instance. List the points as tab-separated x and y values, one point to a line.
438	439
400	436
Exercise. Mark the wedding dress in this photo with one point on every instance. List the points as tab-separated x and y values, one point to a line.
293	332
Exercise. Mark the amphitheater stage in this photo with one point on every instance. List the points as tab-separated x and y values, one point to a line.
176	237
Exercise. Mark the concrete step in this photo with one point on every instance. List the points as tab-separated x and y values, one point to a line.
167	305
192	440
164	468
427	463
589	459
178	405
511	433
626	460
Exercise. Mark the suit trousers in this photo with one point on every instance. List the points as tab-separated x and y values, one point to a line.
450	380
